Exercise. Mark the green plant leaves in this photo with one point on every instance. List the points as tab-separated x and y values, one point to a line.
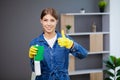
112	64
118	78
109	73
102	4
112	59
118	73
118	62
68	26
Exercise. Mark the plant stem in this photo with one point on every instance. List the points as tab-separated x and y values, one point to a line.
114	74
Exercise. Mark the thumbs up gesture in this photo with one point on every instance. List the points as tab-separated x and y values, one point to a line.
65	42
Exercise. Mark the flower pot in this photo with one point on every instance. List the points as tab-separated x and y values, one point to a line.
102	9
68	31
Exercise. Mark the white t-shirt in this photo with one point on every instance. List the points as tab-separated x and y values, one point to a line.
51	41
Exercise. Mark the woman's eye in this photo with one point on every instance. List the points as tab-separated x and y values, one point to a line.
45	19
52	20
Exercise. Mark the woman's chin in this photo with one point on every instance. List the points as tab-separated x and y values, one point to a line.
49	31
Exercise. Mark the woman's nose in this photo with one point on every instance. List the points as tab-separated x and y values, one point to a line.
48	23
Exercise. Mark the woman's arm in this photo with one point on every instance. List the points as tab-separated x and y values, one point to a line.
78	51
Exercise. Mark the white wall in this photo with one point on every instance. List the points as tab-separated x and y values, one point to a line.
115	27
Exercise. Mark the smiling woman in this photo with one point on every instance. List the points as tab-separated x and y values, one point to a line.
54	64
49	20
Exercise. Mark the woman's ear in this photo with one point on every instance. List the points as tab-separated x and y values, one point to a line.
41	21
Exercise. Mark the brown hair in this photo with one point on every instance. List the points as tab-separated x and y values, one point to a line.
50	11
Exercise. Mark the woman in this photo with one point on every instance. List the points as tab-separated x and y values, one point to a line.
57	47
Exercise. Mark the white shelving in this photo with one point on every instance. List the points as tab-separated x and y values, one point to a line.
78	72
97	43
87	13
86	33
100	52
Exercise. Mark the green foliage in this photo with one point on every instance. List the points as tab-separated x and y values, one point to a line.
68	26
112	64
102	4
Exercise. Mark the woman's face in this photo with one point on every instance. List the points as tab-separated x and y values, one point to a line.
49	23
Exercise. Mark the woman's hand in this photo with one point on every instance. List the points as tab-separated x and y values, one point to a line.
65	42
32	51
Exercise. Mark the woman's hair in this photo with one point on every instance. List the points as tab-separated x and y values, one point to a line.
50	11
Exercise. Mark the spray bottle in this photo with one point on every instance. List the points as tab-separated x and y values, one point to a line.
38	57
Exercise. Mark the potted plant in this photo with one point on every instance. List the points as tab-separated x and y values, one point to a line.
82	10
68	27
102	4
112	70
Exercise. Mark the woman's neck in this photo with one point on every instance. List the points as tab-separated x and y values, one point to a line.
49	35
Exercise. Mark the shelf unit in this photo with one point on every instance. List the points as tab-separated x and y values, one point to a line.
106	13
100	52
69	18
89	74
85	71
97	43
86	33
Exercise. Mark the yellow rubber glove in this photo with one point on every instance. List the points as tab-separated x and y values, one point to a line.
65	42
32	51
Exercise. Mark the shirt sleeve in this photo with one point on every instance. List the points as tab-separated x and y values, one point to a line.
78	51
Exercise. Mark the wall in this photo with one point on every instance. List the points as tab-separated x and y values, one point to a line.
115	27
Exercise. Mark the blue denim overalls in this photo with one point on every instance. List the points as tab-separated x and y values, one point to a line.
54	66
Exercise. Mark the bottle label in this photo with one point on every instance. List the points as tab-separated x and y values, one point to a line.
39	55
37	68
